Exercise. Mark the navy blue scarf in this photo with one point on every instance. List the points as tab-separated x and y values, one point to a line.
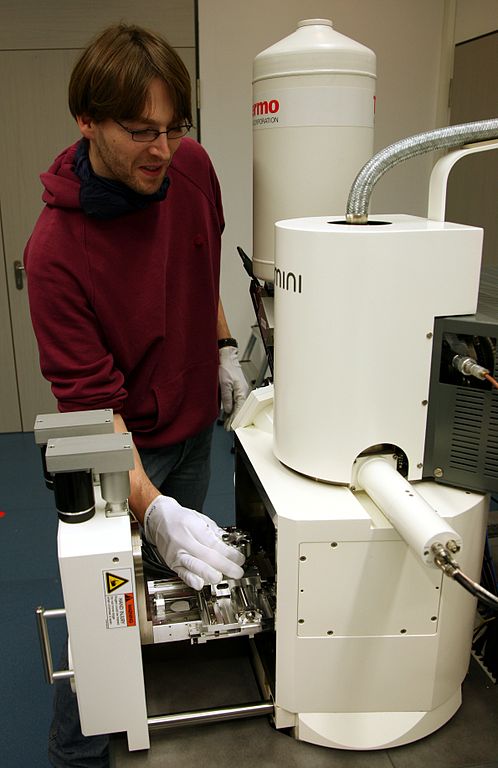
104	198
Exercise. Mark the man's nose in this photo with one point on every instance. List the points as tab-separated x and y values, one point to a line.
160	147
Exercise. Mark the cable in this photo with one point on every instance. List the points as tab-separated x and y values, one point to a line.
491	601
469	367
478	631
444	560
153	561
491	380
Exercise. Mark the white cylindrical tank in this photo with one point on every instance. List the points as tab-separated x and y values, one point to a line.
313	116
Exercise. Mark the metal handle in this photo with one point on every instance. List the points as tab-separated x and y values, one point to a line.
19	275
42	615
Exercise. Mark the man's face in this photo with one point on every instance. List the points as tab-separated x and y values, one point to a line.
141	166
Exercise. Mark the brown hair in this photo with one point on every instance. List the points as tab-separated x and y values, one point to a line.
112	76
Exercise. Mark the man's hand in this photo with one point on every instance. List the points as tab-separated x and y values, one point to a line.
233	384
190	543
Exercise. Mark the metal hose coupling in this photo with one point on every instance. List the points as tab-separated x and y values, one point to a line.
443	558
440	138
469	367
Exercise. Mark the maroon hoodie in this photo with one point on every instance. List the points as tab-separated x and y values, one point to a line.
125	310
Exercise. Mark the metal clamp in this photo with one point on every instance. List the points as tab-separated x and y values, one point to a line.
42	615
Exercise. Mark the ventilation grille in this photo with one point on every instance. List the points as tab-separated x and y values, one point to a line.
491	456
466	434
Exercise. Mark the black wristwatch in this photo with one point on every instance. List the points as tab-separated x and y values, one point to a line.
227	343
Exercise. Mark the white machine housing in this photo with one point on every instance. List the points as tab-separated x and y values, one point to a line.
377	639
372	645
354	318
99	588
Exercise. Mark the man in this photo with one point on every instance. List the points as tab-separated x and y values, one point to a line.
123	276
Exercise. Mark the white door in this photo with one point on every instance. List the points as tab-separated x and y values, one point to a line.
39	43
33	85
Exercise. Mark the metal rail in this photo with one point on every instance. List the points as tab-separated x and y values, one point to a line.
210	715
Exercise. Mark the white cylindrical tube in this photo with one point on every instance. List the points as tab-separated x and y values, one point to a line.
415	520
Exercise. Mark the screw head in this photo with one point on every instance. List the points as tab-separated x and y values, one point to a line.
438	472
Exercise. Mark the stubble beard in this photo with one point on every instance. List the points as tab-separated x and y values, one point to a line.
117	170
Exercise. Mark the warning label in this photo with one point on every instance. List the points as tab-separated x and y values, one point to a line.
113	582
119	599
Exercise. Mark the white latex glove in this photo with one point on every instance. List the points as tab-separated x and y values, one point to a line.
233	384
190	543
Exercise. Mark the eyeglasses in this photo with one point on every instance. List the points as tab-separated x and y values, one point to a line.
151	134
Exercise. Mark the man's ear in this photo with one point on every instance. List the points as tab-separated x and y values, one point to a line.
86	125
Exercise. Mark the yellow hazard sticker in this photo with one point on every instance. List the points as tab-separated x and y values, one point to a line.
119	598
114	582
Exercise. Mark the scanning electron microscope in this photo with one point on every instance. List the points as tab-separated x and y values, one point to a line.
362	479
362	476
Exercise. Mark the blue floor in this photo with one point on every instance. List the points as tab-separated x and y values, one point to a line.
29	577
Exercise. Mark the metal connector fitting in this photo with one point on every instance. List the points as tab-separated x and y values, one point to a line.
469	367
444	560
452	546
357	218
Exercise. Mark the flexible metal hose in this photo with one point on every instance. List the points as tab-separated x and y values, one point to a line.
443	559
440	138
